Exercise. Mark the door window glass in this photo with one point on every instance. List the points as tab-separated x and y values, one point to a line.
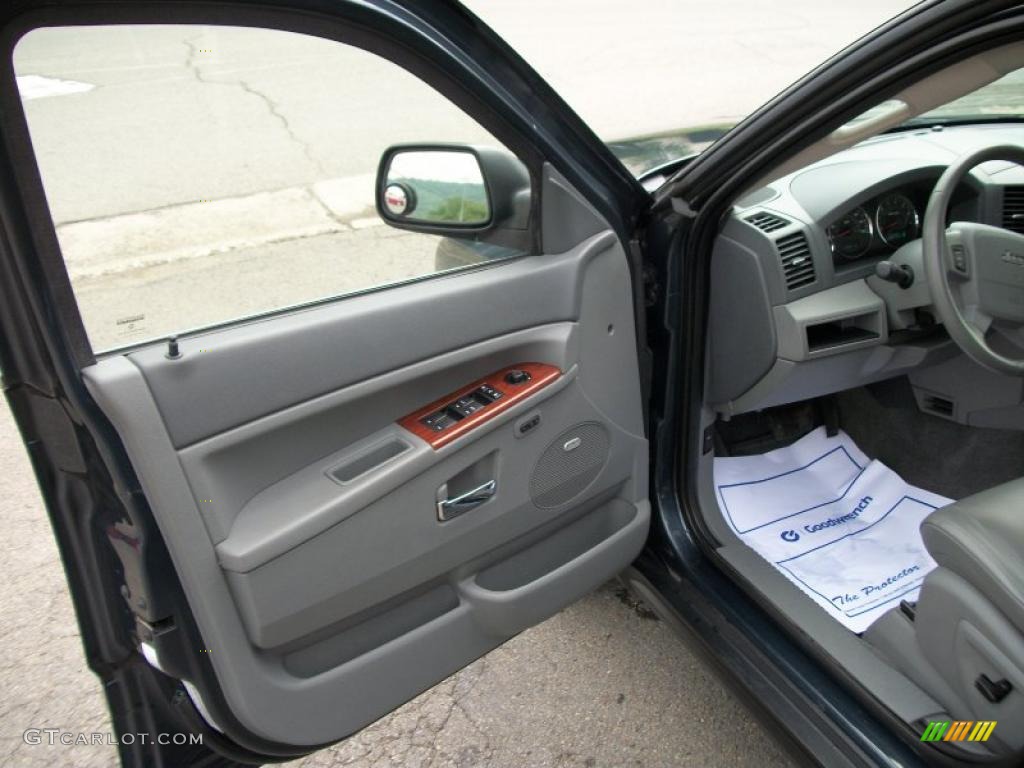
197	175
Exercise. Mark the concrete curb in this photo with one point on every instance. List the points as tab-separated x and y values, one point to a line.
192	230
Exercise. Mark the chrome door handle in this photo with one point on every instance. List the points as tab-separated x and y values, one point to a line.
449	508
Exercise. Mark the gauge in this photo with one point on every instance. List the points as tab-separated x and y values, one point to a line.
897	220
851	235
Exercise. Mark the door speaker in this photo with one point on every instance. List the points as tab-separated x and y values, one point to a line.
569	465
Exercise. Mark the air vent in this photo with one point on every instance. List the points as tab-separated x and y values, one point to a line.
1013	208
940	406
767	222
797	264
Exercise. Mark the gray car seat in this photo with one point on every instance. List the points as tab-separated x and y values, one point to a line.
964	641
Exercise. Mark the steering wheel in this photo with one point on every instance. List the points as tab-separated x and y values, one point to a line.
975	272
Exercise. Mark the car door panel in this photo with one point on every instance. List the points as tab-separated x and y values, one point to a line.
325	600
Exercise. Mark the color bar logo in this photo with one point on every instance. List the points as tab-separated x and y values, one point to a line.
958	730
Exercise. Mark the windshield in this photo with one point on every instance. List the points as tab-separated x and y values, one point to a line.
661	79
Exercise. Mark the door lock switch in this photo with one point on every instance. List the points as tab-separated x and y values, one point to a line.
526	424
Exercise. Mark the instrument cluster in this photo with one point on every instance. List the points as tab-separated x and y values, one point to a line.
878	227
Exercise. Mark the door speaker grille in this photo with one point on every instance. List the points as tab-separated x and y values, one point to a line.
570	464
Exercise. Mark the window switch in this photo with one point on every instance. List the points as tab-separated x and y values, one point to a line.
437	421
488	393
465	406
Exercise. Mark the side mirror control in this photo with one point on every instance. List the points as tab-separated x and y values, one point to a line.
517	377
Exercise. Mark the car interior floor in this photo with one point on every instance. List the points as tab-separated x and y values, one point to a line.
883	419
947	458
914	456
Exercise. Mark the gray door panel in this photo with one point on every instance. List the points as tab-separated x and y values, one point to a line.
389	547
301	517
318	435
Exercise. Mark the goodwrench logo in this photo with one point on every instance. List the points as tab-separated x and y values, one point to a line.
853	514
792	536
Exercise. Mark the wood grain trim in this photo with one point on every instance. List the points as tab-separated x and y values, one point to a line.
541	375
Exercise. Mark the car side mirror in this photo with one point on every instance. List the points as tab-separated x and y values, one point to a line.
452	190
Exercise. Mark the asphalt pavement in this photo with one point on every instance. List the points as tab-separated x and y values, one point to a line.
162	207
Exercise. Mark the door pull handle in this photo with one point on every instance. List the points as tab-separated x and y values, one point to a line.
449	508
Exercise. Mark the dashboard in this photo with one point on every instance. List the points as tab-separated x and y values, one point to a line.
797	309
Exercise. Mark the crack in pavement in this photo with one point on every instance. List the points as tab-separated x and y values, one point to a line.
193	65
330	212
414	734
272	108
